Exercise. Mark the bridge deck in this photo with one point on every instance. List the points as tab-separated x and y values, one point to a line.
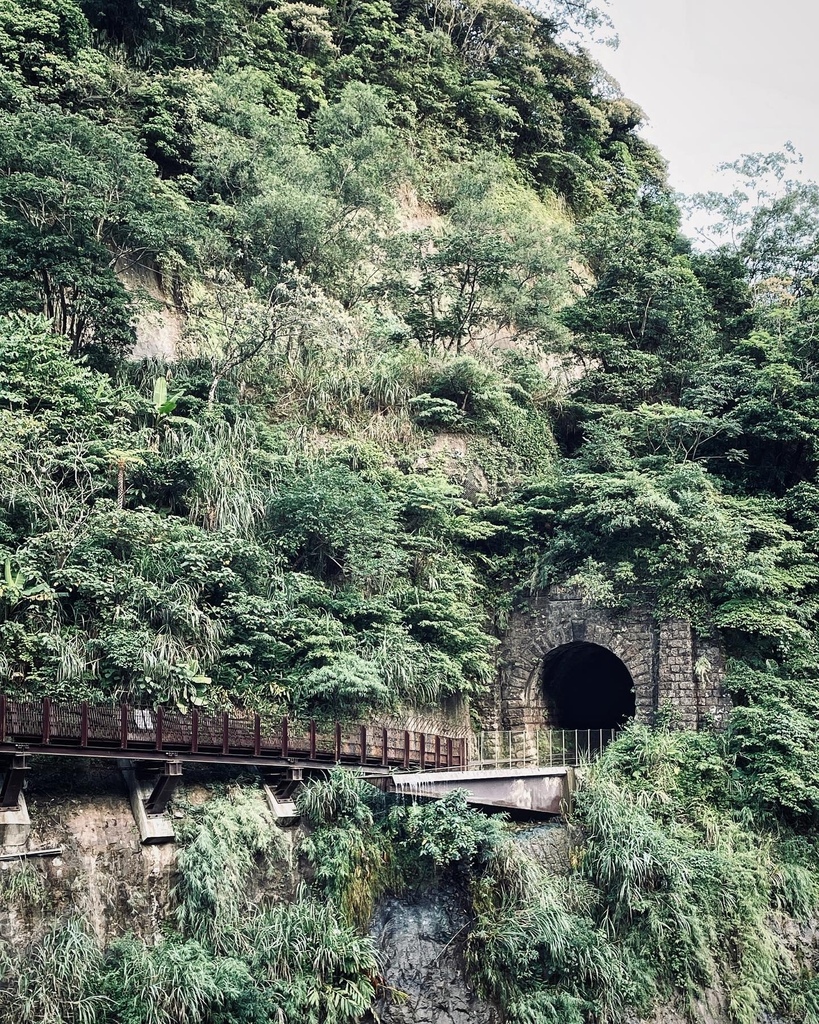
535	791
233	737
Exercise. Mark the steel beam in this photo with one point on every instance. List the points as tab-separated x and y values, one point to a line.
13	782
164	787
323	761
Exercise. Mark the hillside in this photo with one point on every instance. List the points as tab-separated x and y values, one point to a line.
329	335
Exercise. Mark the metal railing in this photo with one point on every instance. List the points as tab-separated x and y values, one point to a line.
79	728
537	747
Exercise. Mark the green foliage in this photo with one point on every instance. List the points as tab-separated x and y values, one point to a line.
535	948
496	267
447	833
773	734
670	892
347	686
174	980
443	345
60	980
680	878
234	838
25	888
316	969
76	198
349	857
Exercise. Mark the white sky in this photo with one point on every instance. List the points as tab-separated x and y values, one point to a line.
718	78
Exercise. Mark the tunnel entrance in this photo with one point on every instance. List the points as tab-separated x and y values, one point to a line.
586	687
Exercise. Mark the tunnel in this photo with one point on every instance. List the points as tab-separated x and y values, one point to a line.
586	687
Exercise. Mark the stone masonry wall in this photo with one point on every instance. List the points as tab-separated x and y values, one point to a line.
667	663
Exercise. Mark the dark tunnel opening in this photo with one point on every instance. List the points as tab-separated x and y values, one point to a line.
587	687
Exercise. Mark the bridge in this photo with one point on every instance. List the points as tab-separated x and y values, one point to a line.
507	770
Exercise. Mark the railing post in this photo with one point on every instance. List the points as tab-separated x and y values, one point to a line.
449	751
123	727
337	744
422	750
406	748
462	753
437	751
225	733
84	724
362	742
257	736
160	715
2	718
312	735
46	719
385	748
285	737
195	731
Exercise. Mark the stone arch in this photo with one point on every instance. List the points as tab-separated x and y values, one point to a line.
586	686
660	657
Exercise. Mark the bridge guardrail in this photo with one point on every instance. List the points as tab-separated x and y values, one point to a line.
73	727
538	747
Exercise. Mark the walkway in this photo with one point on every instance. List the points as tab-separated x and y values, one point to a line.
508	769
237	737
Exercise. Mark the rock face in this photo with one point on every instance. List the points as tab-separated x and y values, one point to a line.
421	941
103	873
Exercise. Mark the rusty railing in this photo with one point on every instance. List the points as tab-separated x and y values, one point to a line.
80	728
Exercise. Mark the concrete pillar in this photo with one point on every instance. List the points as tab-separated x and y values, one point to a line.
153	828
15	827
15	824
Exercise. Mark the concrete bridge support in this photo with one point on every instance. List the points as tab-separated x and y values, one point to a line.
535	791
15	824
149	794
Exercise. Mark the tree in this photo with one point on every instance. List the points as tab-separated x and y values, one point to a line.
231	325
643	327
770	221
492	270
79	200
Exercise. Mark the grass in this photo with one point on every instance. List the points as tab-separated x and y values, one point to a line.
234	838
24	887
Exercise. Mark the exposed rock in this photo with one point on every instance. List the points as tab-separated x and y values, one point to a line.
159	324
475	484
104	873
421	939
550	845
